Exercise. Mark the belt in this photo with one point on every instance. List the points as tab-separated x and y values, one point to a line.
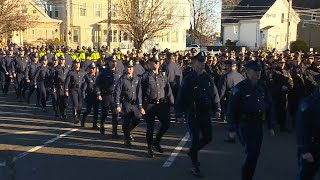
158	101
131	101
251	117
106	92
315	140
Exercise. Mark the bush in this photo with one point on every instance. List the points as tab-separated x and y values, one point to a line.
299	45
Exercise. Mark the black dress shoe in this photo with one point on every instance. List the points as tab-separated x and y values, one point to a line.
64	117
150	153
95	127
157	147
195	170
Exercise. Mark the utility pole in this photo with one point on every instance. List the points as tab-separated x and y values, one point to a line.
68	29
109	24
288	26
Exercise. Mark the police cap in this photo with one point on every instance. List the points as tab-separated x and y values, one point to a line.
20	49
130	63
201	56
231	62
92	65
76	61
254	65
54	58
62	57
155	58
113	58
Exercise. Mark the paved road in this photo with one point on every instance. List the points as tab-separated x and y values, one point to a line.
45	148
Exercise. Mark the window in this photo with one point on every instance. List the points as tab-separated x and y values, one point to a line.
75	35
32	34
125	36
105	36
56	12
97	10
282	18
114	10
174	37
313	17
82	9
53	11
114	36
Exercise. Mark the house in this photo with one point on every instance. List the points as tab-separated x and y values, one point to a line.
309	26
260	24
43	28
85	23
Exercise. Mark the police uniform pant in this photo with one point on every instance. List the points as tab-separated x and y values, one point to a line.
198	123
131	119
20	83
162	111
107	104
6	85
44	93
91	102
62	101
55	102
250	135
32	88
2	79
307	170
280	114
75	94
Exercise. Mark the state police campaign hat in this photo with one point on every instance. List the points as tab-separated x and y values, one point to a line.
201	56
254	65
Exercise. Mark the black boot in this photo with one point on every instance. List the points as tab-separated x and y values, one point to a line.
150	151
195	170
102	128
156	144
75	116
115	126
247	172
127	143
95	126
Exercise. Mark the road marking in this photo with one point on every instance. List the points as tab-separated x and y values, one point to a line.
32	132
176	151
45	144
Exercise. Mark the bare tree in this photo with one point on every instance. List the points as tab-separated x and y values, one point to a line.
204	20
14	15
144	19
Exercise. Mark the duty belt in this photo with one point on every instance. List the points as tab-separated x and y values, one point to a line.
158	101
315	140
130	101
251	117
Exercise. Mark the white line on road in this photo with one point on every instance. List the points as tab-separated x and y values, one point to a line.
33	132
176	151
45	144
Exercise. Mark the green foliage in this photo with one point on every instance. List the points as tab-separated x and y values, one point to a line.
299	45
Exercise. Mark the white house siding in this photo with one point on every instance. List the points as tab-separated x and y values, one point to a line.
248	35
230	32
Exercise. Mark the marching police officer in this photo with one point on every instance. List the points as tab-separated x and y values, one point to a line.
106	82
128	92
19	65
30	76
249	104
198	98
54	94
157	98
72	86
308	135
226	83
6	66
43	79
174	74
59	80
88	89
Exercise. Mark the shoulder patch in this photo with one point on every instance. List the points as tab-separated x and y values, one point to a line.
304	105
235	90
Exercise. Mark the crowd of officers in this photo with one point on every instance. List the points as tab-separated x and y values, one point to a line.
141	85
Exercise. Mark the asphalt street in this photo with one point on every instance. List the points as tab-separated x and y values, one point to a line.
34	145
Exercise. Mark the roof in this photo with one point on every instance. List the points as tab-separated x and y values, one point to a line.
247	10
302	4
